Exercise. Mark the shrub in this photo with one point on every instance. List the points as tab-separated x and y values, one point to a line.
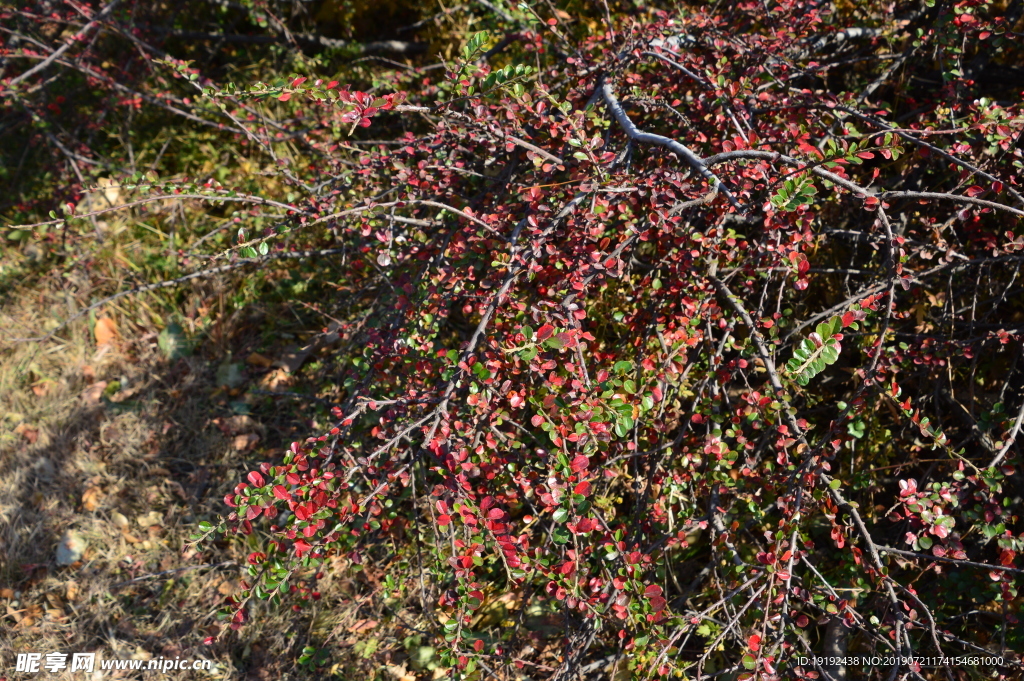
695	330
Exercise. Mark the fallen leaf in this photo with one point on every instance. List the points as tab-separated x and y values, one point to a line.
259	360
71	590
244	443
119	520
130	538
293	358
276	379
399	673
111	191
28	432
105	331
241	423
227	587
7	593
151	518
362	626
230	375
91	395
29	615
41	389
173	342
91	498
88	374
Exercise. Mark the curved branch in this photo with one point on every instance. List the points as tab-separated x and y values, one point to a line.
637	135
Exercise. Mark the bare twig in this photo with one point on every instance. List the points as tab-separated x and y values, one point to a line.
1010	439
173	572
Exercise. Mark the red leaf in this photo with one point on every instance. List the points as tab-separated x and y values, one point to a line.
282	493
652	590
754	642
284	96
974	190
545	332
255	479
580	463
848	318
443	520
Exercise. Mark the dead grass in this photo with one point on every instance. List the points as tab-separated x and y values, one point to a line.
129	451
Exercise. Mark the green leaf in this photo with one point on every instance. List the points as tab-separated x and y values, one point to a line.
809	359
173	343
560	515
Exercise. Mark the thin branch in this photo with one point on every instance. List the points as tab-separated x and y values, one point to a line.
173	572
951	561
1010	439
202	274
775	156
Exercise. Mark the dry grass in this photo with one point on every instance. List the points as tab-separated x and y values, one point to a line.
130	451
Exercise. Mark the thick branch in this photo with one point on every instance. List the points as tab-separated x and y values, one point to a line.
637	135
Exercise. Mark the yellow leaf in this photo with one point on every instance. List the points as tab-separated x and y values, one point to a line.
105	332
91	498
